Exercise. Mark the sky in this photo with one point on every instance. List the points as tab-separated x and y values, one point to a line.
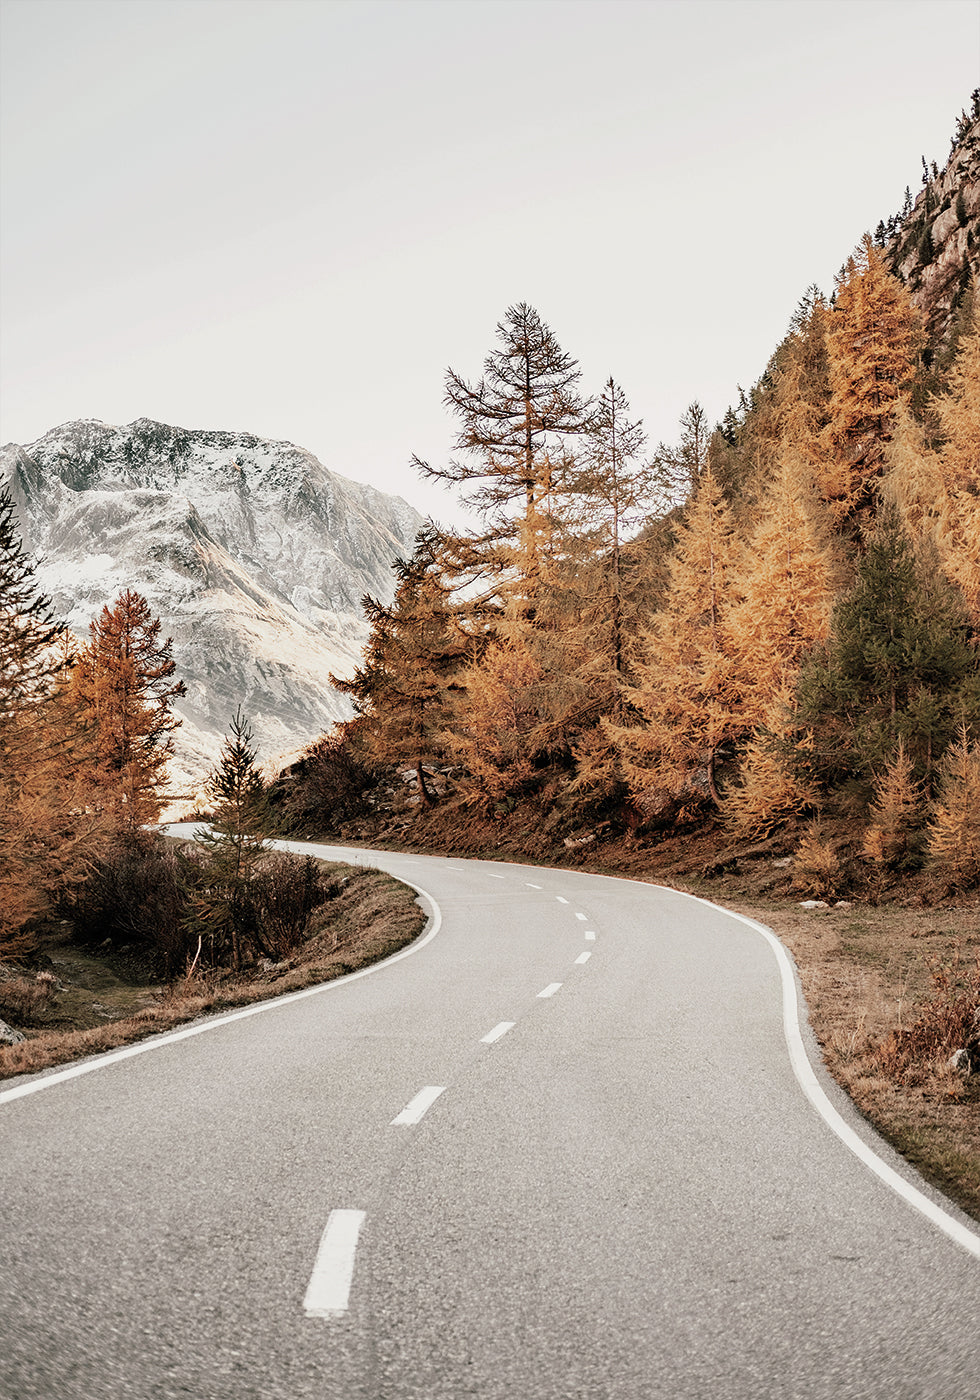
289	217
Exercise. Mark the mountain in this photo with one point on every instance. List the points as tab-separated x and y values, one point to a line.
252	553
934	244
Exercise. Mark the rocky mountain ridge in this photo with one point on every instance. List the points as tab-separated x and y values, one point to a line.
254	555
934	245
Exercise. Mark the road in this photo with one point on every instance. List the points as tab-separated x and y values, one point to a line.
494	1167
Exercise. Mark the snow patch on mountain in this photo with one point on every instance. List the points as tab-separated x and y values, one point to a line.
254	555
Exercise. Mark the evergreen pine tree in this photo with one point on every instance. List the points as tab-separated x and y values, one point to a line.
232	845
898	665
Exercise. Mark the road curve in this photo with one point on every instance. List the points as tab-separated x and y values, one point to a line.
558	1150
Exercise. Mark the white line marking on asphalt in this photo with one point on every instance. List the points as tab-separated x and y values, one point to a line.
590	934
533	887
580	916
491	876
416	1110
561	899
583	957
142	1047
328	1291
497	1032
814	1091
550	990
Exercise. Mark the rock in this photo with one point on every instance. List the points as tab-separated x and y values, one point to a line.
843	904
783	863
814	904
8	1036
573	842
965	1060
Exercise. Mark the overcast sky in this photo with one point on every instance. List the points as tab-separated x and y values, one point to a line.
290	217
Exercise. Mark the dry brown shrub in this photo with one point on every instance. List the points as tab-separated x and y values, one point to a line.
23	999
947	1022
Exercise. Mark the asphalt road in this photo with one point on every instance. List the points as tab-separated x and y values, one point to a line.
620	1192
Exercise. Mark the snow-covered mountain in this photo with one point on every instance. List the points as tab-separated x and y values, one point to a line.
252	553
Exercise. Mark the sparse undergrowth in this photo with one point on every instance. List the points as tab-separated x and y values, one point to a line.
371	917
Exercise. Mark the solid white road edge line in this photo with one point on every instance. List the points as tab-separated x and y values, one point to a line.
550	990
814	1091
143	1047
583	957
501	1029
415	1111
328	1291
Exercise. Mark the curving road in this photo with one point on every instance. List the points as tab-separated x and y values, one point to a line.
558	1150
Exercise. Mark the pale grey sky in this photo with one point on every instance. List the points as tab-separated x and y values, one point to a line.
289	217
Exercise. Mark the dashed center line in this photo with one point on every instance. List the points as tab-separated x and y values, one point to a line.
501	1029
590	934
561	899
583	957
533	887
490	875
581	916
328	1291
416	1110
550	990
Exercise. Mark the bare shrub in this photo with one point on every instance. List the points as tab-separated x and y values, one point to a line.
284	894
23	999
949	1021
138	895
325	786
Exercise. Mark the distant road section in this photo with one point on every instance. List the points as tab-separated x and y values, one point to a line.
559	1151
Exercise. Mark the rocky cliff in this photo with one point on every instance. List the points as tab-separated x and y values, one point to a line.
253	554
934	244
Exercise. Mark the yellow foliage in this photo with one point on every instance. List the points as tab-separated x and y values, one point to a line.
896	811
816	867
954	833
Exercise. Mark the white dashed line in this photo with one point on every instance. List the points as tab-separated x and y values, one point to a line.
580	916
423	1101
497	1032
491	876
328	1291
550	990
590	934
533	887
561	899
583	957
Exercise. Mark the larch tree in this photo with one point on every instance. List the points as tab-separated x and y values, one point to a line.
783	588
516	422
683	689
873	337
954	832
958	414
47	837
123	683
417	646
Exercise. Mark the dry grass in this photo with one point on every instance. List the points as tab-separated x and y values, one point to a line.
372	917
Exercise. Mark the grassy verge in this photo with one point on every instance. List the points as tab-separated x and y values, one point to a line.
372	917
